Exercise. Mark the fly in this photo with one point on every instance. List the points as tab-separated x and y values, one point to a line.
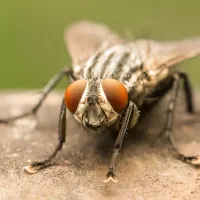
113	81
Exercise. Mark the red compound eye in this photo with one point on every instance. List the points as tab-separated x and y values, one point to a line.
73	94
115	93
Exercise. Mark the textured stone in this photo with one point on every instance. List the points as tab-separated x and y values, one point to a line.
147	168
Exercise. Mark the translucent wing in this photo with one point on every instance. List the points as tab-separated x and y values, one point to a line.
84	38
158	55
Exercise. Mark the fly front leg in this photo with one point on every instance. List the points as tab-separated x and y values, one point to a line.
44	93
36	166
125	123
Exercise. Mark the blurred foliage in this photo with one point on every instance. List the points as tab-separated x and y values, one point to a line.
31	32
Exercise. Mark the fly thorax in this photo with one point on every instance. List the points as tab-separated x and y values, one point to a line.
153	77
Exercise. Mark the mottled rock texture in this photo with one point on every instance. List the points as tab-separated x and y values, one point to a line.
147	167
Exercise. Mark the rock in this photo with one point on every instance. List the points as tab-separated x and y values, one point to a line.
146	169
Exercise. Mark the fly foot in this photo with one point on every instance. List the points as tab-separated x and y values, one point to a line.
194	160
110	177
34	167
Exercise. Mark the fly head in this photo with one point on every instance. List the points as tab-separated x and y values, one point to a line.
96	103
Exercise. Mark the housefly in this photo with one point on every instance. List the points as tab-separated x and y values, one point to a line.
113	80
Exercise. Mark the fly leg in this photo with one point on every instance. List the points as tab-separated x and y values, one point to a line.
118	143
172	103
171	107
36	166
188	92
46	90
195	160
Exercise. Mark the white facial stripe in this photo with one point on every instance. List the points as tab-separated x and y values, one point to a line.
104	104
107	108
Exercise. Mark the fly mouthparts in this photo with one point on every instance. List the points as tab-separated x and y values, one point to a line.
92	99
93	127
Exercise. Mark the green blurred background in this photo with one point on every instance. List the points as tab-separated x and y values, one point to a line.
31	32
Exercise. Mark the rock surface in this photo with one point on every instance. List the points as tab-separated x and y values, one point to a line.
147	166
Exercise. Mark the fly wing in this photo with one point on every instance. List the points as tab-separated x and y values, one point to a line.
84	38
158	55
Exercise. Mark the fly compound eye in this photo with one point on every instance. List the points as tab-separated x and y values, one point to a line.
73	94
115	93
